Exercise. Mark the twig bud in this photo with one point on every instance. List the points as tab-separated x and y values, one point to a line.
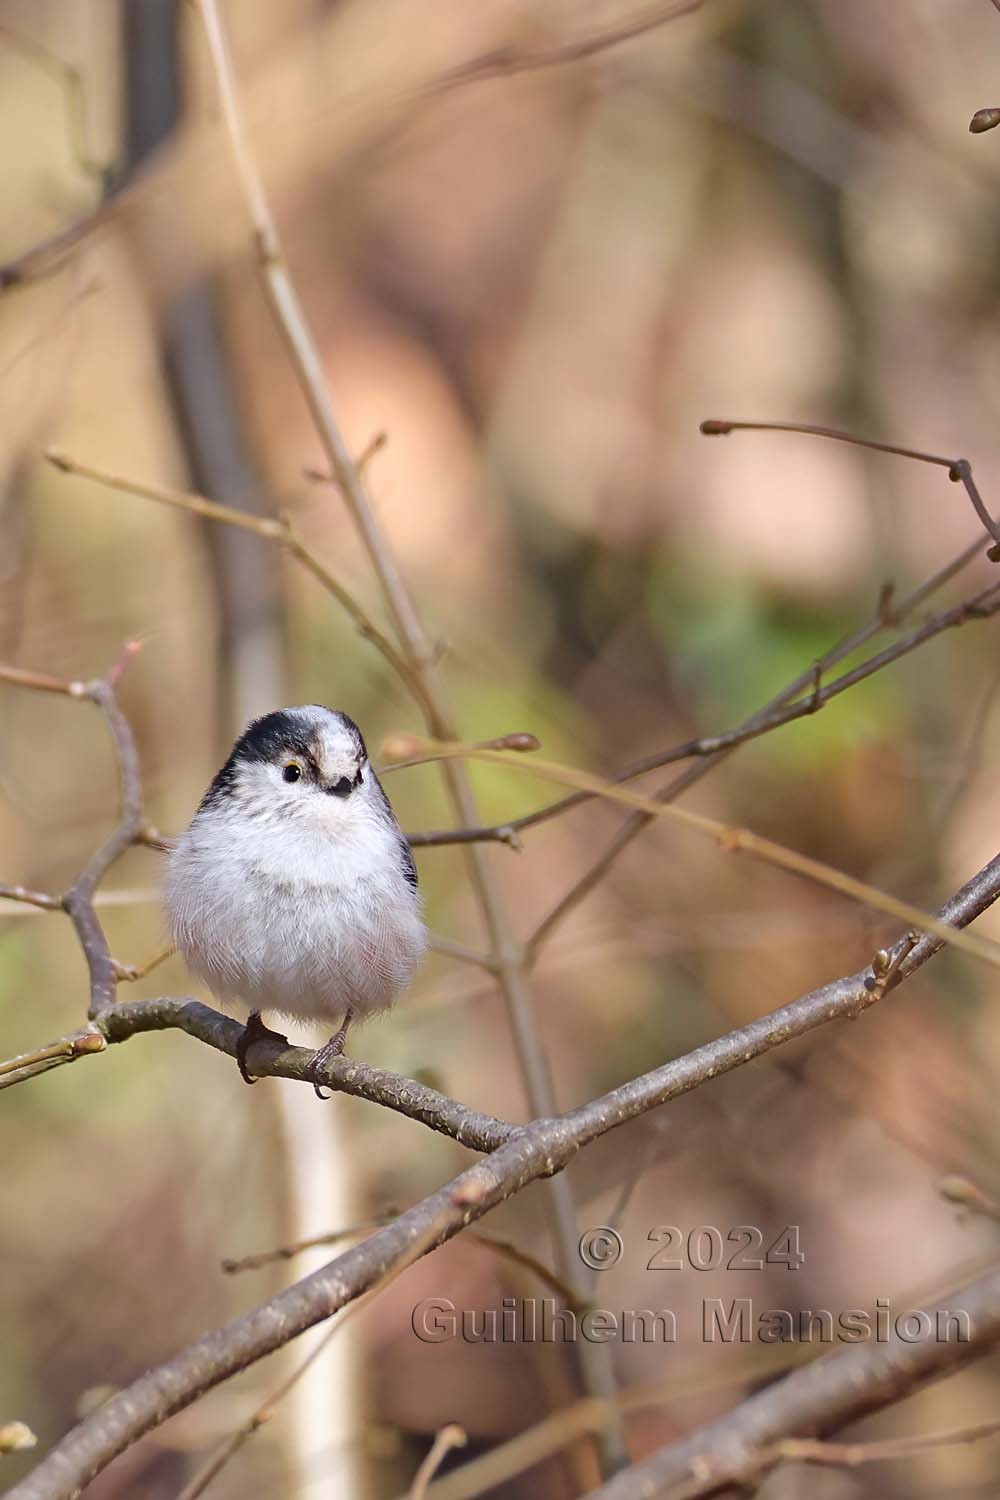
521	742
402	747
16	1435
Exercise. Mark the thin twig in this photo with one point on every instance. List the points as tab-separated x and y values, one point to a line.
130	972
736	840
503	1247
78	901
450	1437
502	62
959	469
263	1413
853	1455
233	1266
774	715
270	1059
884	616
271	528
29	897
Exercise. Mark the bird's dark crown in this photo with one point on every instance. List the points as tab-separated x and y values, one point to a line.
279	733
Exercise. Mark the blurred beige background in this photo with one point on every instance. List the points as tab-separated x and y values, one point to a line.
536	284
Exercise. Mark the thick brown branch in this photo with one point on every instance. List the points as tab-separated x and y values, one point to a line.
268	1059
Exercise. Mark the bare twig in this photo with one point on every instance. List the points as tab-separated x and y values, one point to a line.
504	61
959	469
853	1455
232	1266
883	617
271	528
78	901
30	898
734	840
502	1247
448	1438
131	972
232	1445
786	708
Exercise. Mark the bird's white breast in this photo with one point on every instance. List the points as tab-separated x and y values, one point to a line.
295	915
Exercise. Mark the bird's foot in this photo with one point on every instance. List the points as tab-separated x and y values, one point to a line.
326	1054
254	1031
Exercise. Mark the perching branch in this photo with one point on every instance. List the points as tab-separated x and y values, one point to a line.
269	1059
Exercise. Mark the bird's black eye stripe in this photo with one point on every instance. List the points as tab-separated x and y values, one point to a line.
291	772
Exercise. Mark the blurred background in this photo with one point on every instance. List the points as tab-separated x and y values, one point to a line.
536	282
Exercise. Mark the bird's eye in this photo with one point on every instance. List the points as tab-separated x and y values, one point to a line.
291	772
342	788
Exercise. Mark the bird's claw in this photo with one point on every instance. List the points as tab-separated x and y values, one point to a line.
254	1031
332	1049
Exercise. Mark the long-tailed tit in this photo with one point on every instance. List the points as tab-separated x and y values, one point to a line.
293	889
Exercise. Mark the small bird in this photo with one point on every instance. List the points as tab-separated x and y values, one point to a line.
293	889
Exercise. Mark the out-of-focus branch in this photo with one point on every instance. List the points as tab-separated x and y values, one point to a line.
450	1437
263	1413
540	1149
501	62
422	667
506	1249
887	612
272	528
959	469
888	1450
736	840
982	606
823	1397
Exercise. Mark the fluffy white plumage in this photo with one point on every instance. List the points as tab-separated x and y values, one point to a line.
293	889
